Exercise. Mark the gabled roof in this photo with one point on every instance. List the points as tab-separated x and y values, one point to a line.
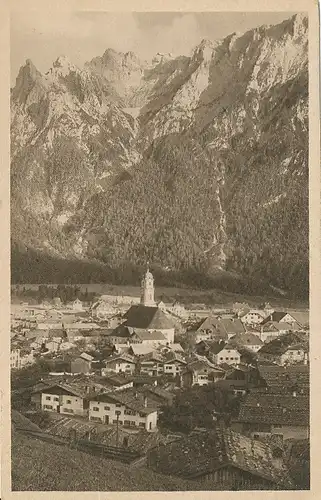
121	331
22	423
146	335
141	349
276	316
121	357
301	317
281	344
277	409
140	316
152	356
173	357
131	398
246	339
202	453
282	377
259	312
274	325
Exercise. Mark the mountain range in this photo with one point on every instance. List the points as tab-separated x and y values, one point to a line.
197	164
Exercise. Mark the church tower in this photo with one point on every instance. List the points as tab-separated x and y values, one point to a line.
147	290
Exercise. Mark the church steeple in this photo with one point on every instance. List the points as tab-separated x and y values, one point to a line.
147	289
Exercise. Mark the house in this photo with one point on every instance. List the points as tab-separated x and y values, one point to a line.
221	458
248	340
102	309
80	365
77	331
264	413
209	329
151	364
297	320
287	349
273	329
128	408
222	352
213	328
158	395
175	308
174	364
63	398
253	316
120	335
120	363
77	305
149	337
15	361
201	372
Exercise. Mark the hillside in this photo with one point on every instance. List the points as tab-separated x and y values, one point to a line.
40	466
198	164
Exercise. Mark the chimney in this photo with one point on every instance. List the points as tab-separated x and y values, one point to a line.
145	401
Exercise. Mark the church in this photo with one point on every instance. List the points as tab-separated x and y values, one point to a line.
147	315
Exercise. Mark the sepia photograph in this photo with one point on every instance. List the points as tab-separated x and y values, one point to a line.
159	228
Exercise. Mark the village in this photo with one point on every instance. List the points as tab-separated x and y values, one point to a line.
216	396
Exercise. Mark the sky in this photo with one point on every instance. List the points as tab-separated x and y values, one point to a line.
43	36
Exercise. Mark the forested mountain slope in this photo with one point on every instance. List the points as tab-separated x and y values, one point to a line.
198	164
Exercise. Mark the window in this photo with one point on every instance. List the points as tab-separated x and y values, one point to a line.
126	422
129	412
68	410
141	424
221	359
95	408
107	408
56	399
231	359
48	398
96	419
68	401
133	423
48	407
118	405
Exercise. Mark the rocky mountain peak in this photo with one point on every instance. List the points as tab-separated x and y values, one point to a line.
199	162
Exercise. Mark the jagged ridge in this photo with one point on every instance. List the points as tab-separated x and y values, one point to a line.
198	163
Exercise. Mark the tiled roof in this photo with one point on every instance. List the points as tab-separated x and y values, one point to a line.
280	344
301	317
22	423
122	357
140	316
171	357
274	325
121	331
141	349
275	375
275	316
205	452
131	398
246	339
152	356
146	335
276	409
